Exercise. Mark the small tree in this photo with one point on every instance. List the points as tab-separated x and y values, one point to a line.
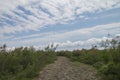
113	44
3	48
51	48
110	43
94	47
105	43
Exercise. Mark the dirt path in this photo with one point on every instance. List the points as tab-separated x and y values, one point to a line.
63	69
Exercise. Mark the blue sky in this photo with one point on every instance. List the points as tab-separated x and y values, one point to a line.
72	24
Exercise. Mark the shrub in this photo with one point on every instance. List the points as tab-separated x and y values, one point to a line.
23	63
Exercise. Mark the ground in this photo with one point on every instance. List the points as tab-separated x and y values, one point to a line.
64	69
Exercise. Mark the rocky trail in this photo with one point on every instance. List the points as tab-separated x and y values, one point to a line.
63	69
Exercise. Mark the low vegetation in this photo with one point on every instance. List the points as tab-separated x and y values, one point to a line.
23	63
106	61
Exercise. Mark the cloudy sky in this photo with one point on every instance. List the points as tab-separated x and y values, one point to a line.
73	24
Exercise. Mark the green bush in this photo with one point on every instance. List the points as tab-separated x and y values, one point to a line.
107	61
23	63
111	71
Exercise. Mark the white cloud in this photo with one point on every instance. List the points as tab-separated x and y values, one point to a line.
85	37
117	35
51	12
68	45
47	12
85	33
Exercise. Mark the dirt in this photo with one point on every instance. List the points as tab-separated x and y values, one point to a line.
64	69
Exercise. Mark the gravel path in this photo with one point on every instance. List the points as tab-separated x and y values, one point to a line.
63	69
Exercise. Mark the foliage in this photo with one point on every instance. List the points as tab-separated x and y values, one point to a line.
23	63
106	61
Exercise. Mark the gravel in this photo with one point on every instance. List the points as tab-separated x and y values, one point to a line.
63	69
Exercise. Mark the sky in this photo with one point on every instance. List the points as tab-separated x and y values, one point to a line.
72	24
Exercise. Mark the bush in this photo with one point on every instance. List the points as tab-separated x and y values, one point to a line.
111	71
107	61
23	63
